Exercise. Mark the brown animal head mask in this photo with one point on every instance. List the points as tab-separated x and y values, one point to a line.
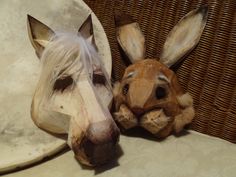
149	94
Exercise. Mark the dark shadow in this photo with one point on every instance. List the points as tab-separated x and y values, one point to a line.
180	62
113	164
124	56
108	166
182	133
139	132
177	65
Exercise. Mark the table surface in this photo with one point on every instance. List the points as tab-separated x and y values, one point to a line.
192	154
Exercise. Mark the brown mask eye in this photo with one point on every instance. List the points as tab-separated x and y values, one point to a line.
125	89
62	83
160	93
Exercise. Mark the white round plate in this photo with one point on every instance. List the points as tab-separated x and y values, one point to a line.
21	142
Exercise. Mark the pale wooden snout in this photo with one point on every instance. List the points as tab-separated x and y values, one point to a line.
92	133
98	143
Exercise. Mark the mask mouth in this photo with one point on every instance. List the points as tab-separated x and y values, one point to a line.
153	120
140	112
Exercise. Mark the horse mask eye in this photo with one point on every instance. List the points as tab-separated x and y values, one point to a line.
99	77
63	83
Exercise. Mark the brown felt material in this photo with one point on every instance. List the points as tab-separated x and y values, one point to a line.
208	73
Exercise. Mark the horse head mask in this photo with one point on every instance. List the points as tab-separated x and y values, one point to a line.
74	91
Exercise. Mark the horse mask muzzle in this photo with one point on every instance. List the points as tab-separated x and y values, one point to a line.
74	93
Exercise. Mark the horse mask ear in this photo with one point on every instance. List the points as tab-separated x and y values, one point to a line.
86	31
39	34
184	36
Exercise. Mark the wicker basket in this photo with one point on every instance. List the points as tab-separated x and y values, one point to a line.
208	73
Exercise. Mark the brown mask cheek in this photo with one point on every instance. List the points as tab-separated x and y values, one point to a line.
171	109
163	96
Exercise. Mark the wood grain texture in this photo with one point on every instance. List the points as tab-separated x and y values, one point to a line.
21	142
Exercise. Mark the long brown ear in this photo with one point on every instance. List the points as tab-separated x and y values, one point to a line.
184	36
130	37
86	30
39	34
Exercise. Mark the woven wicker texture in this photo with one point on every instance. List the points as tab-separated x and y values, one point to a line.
208	73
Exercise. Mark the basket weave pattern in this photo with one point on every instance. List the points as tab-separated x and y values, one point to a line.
208	73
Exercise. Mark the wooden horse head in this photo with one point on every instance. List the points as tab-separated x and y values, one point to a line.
74	92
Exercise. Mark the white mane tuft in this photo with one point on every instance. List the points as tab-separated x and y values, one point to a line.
69	55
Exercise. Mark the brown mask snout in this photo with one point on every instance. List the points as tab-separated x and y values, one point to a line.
140	91
148	97
148	85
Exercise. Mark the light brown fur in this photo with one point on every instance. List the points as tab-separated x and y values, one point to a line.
187	114
149	91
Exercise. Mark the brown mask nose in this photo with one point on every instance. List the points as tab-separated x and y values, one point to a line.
140	91
137	111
